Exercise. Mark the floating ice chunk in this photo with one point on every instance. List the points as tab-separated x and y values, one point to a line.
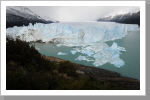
116	47
118	63
60	53
73	52
87	52
99	62
115	56
97	55
70	45
80	58
37	48
88	59
59	45
77	49
101	53
121	48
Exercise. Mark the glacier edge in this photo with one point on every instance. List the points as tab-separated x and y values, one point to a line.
71	32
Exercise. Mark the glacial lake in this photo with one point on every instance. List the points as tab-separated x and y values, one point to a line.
131	57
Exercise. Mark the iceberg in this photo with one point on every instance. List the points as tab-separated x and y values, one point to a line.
80	58
37	48
87	52
116	47
101	53
118	63
60	53
73	52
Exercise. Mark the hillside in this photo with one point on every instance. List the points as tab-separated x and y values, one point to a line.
26	69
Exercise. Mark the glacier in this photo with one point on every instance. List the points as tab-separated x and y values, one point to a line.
67	32
87	38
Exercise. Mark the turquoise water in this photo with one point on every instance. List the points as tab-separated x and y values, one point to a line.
131	42
131	57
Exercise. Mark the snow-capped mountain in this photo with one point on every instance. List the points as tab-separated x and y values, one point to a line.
19	16
20	11
128	18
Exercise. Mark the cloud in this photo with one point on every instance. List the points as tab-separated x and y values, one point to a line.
81	13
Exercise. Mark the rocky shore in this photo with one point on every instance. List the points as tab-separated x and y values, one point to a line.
102	74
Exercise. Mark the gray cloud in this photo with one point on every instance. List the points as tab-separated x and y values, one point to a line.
81	13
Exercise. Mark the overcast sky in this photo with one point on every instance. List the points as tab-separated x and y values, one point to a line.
70	13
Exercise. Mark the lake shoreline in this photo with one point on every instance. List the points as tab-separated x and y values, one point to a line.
101	74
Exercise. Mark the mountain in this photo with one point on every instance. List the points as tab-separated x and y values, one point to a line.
128	18
49	19
19	16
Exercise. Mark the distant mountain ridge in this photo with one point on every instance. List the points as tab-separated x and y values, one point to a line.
19	16
128	18
47	18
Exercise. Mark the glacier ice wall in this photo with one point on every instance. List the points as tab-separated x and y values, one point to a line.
85	32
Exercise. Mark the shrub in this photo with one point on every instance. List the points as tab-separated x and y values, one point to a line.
67	68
